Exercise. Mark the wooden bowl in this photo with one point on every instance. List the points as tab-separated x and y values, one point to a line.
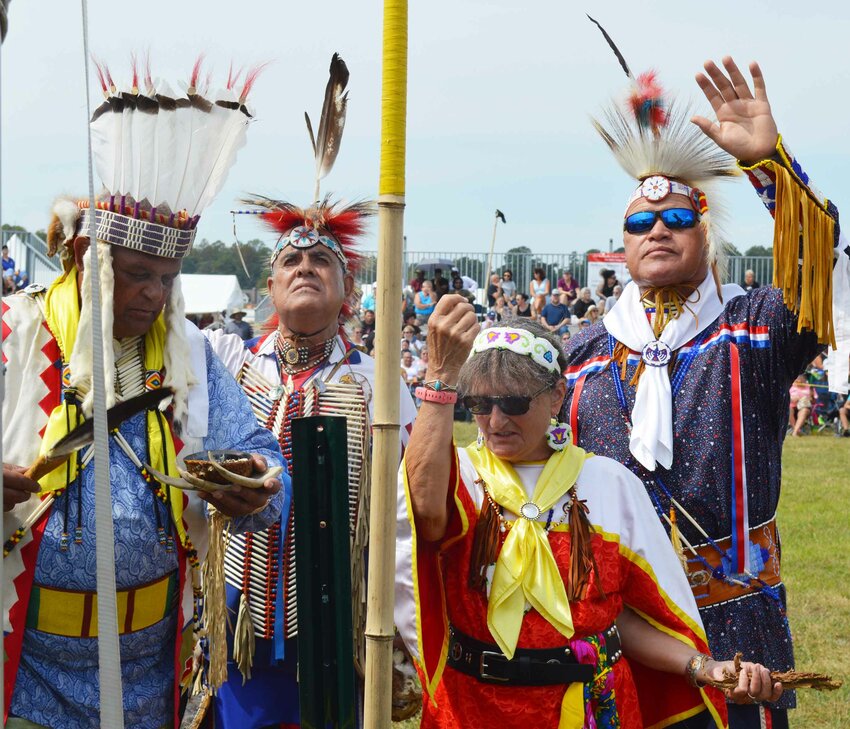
237	462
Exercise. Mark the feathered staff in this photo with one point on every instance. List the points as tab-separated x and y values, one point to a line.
331	122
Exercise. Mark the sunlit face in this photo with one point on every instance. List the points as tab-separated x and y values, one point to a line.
308	288
520	437
143	284
407	358
664	257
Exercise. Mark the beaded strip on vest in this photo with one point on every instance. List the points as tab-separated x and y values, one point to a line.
252	559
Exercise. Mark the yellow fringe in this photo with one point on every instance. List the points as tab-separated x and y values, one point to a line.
215	601
676	540
807	286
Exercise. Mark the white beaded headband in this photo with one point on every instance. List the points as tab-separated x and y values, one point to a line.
518	341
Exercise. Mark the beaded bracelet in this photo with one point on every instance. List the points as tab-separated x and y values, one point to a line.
695	665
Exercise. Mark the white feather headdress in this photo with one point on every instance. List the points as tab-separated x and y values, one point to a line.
651	134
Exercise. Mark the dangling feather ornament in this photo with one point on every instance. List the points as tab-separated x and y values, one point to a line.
331	123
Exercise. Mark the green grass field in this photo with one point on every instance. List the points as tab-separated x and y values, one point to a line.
814	520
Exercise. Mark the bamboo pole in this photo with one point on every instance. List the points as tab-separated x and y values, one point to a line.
382	515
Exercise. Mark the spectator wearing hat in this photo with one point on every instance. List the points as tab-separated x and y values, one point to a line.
489	320
592	314
416	282
555	316
238	325
440	283
569	286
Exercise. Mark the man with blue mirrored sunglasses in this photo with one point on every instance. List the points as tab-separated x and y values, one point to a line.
691	376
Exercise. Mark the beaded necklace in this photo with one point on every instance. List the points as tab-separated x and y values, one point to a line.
294	359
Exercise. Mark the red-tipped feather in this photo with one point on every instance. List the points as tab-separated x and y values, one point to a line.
196	72
100	75
109	78
148	79
231	78
250	78
134	63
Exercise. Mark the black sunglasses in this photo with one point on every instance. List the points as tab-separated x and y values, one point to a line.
508	404
673	218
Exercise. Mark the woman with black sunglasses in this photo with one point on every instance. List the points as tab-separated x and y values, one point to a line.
546	590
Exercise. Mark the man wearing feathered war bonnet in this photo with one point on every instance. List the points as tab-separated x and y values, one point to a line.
141	148
686	381
303	365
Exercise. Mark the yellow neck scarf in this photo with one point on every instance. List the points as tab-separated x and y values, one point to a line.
525	568
62	315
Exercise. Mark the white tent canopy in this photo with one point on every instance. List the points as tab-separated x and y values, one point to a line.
206	293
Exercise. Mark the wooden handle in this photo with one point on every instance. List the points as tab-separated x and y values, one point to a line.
44	465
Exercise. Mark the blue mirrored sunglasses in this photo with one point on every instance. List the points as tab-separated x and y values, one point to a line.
673	218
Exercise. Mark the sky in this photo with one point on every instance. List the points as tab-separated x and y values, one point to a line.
500	94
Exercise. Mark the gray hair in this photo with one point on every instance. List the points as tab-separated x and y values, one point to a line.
495	366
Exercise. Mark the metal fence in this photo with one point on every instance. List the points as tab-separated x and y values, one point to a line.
474	265
30	254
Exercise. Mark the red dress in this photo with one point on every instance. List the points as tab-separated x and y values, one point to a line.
627	539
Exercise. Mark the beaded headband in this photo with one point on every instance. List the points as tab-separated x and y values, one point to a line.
304	237
658	187
518	341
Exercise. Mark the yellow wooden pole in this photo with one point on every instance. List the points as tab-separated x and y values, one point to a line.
382	515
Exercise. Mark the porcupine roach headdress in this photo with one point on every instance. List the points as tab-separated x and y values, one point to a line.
332	224
655	142
162	157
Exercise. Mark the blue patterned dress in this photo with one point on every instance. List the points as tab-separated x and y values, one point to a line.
57	681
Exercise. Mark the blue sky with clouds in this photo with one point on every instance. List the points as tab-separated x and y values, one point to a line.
500	94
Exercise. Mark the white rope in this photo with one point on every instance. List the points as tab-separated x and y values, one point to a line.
108	647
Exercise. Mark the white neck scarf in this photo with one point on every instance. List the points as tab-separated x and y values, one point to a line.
651	438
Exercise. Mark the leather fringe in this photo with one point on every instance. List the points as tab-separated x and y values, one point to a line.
485	546
582	560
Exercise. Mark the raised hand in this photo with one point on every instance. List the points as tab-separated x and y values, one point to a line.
451	330
745	126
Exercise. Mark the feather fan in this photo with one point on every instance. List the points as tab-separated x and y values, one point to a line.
331	123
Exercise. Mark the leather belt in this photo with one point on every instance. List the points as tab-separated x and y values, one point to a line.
710	588
528	667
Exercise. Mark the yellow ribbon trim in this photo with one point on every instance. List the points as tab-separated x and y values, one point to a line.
62	315
525	568
572	707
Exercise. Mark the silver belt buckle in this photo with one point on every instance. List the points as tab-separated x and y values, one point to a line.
482	666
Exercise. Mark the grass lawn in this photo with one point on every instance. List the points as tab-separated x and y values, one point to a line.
814	520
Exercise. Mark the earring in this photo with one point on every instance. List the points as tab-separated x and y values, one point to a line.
479	441
558	435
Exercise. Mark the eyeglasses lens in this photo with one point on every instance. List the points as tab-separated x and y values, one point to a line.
508	404
673	218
